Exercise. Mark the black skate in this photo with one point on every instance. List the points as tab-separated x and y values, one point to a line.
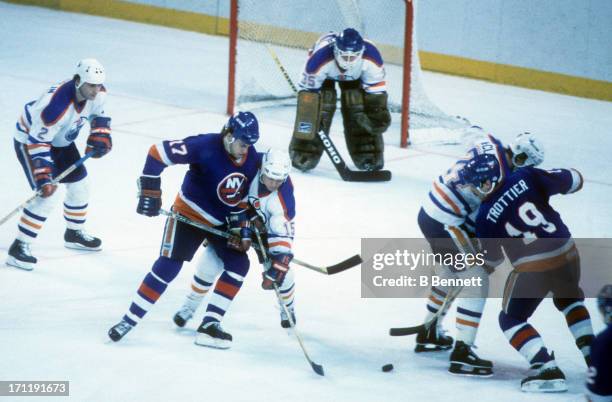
20	256
118	331
183	315
463	361
285	323
549	378
213	336
79	240
432	340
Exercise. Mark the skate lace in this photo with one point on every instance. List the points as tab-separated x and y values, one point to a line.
84	235
186	311
122	327
25	248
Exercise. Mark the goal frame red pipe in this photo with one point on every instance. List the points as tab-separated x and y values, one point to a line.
408	31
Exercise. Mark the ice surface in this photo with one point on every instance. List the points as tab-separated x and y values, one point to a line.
165	83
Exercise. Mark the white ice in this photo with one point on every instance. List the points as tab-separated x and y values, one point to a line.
166	84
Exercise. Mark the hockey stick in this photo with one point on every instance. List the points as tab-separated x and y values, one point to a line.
330	149
317	368
56	180
345	173
403	331
281	68
327	270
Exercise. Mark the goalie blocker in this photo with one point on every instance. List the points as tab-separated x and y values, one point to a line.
365	118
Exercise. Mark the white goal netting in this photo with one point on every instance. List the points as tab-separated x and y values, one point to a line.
288	28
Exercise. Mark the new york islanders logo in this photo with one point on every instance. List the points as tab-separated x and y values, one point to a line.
232	189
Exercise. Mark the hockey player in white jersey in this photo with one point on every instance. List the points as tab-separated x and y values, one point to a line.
271	198
44	144
447	221
357	66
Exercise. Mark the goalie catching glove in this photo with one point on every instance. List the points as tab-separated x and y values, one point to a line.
239	226
149	195
99	142
276	270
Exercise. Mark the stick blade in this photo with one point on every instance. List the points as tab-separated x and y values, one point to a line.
406	330
364	176
344	265
317	368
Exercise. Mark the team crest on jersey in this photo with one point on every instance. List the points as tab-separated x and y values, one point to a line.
74	130
232	189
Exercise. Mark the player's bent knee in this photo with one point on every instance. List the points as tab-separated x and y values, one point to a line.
166	268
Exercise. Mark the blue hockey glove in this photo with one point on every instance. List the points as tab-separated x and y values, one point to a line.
239	226
149	196
276	269
99	141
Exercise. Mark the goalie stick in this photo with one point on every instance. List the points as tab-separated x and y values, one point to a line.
345	173
403	331
317	368
326	270
330	149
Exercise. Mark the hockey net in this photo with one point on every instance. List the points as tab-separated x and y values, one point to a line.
285	29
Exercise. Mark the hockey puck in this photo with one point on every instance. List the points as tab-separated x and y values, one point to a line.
387	367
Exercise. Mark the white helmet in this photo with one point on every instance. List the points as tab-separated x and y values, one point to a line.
90	71
527	143
276	164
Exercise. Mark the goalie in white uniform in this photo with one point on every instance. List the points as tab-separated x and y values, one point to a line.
44	144
357	66
271	197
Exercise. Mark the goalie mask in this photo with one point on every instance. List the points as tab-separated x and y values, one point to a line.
90	71
527	150
276	165
348	48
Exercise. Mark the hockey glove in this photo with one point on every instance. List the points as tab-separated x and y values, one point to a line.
376	117
99	141
239	226
43	177
149	196
276	269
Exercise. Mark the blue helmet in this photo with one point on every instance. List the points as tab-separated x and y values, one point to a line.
604	302
243	126
480	169
348	48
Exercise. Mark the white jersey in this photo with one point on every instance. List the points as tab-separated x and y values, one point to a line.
321	65
56	118
277	209
452	202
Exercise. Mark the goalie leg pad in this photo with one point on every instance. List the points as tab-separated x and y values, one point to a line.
307	115
365	147
305	148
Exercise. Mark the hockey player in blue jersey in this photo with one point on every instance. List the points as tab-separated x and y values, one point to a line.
44	144
599	384
214	193
357	66
517	216
273	208
446	221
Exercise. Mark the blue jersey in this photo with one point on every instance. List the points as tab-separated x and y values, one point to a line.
599	386
520	208
215	185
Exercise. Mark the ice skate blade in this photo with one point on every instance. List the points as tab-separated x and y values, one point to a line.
78	246
210	342
545	386
13	262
